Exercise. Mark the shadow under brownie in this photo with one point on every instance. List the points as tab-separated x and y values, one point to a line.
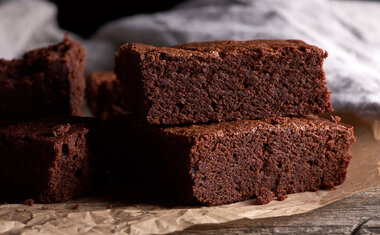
104	96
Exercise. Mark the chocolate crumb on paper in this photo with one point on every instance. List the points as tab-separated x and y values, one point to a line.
75	207
29	202
265	196
281	197
335	119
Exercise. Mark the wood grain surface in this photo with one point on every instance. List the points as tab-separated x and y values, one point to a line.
357	214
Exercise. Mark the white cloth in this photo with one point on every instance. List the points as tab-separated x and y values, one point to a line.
27	24
348	30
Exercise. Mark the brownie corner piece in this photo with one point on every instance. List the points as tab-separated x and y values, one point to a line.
64	67
48	160
43	82
219	81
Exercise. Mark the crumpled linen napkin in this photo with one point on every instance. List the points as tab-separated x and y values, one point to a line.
25	25
348	30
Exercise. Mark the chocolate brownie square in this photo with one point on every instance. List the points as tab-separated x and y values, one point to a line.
219	163
103	95
44	82
219	81
48	160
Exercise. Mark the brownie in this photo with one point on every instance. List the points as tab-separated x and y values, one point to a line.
222	80
103	95
48	160
44	82
219	163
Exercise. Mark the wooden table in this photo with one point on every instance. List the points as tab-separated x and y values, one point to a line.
357	214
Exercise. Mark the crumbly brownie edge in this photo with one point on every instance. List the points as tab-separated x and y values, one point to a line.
75	176
77	57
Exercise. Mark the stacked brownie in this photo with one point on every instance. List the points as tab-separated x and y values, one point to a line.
222	81
225	121
45	152
208	123
44	82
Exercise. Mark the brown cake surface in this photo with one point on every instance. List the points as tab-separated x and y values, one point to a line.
104	95
48	160
227	162
222	80
44	82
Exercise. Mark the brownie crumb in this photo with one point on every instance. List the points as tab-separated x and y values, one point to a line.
44	208
109	206
335	119
76	207
328	185
61	129
265	196
29	202
281	197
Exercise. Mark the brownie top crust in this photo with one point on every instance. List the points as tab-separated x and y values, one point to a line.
245	126
46	128
219	48
43	82
36	61
266	45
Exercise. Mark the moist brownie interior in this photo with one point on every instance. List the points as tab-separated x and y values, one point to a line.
221	163
222	81
48	160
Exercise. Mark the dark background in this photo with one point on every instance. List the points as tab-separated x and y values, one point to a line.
84	19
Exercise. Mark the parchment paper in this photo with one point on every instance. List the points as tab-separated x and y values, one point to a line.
91	215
